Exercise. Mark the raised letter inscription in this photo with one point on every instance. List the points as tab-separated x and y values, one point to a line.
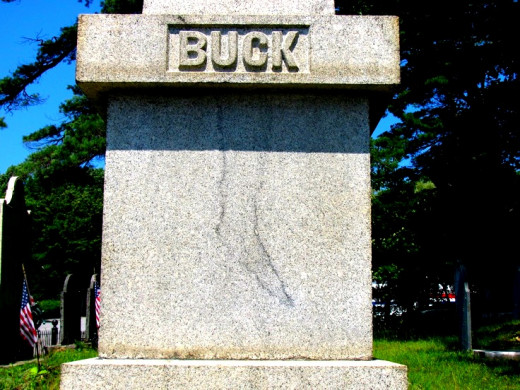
283	49
192	49
280	49
255	49
230	59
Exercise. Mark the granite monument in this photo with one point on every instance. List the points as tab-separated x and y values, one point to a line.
236	234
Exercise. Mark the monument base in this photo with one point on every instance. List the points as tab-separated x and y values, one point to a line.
232	374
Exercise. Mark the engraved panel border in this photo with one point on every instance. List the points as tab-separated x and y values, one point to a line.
239	49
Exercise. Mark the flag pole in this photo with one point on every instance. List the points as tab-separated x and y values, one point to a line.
37	335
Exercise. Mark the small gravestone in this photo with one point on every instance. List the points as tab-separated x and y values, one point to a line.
91	329
463	303
54	332
236	236
72	298
14	251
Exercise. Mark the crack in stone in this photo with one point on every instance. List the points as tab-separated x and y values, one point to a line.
224	168
222	194
256	260
275	286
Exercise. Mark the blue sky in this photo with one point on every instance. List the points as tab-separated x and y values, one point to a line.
21	21
31	19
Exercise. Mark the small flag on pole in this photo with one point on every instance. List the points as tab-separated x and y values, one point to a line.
27	329
97	294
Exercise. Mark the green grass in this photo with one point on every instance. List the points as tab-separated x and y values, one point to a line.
27	376
434	364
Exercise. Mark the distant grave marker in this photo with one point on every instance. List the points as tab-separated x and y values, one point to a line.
72	298
91	325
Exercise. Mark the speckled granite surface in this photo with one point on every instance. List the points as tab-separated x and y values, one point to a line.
237	226
220	374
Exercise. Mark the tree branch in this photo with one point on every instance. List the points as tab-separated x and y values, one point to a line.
51	52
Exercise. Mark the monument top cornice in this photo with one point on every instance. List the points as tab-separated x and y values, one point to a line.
237	51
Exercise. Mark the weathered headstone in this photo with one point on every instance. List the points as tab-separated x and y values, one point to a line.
91	330
72	298
236	237
14	251
54	332
463	303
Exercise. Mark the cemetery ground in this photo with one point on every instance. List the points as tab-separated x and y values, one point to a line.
27	376
433	363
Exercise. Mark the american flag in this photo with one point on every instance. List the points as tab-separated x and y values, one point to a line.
97	294
27	329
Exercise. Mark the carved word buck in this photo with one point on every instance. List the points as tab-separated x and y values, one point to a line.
225	50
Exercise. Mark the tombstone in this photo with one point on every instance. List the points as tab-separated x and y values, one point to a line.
91	330
72	298
463	304
236	236
14	251
54	332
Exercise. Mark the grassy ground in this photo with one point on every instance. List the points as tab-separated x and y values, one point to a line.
435	364
27	376
432	363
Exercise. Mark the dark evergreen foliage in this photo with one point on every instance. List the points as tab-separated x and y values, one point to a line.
446	178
